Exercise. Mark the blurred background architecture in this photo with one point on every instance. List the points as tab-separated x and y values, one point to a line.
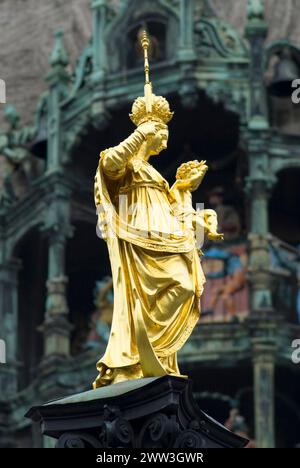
227	70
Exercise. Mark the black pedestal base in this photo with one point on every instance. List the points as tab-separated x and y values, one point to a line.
143	413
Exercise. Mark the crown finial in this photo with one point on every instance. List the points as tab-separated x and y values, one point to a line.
148	86
149	107
145	44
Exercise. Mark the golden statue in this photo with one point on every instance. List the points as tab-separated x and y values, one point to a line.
150	234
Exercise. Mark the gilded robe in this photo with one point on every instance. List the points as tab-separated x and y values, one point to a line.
157	275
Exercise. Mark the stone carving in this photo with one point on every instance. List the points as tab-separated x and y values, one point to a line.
18	166
215	38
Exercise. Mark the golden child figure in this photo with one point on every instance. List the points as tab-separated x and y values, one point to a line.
157	275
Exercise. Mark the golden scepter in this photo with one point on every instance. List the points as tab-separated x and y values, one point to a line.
148	85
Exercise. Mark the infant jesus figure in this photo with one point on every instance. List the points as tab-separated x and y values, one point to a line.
203	222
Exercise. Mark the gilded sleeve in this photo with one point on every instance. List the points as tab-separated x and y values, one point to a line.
114	160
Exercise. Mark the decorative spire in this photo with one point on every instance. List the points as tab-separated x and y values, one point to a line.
255	10
148	85
256	23
58	74
59	55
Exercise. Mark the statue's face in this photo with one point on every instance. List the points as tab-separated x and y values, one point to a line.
159	141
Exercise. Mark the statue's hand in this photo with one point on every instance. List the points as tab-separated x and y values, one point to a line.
215	236
211	222
150	128
195	178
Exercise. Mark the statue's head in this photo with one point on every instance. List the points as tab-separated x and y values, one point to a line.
160	115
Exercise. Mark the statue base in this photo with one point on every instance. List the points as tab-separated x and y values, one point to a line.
157	412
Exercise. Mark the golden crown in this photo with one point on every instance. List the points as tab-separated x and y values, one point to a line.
149	107
160	110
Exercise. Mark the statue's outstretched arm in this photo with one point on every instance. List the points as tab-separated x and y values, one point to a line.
208	220
114	160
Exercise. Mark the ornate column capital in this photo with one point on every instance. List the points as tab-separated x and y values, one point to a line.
57	233
259	185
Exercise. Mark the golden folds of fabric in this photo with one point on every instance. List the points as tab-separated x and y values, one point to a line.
157	276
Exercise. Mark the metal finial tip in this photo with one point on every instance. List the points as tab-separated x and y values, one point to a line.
145	40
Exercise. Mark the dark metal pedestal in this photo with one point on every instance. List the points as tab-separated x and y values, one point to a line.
144	413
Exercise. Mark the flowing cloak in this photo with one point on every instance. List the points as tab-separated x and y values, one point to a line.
156	271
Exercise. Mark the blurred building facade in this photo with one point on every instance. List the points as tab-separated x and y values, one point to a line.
231	93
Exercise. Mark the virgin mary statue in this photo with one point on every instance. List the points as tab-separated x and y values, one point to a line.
149	230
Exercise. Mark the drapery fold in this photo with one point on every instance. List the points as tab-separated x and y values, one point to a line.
156	270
